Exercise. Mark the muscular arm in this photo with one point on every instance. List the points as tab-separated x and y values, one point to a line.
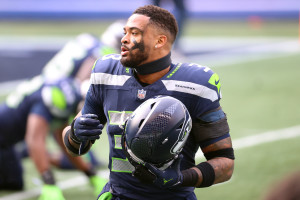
36	133
217	148
222	166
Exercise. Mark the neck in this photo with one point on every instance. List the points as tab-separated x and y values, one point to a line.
154	66
151	78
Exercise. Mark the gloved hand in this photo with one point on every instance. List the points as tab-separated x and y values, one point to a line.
51	192
97	183
143	174
86	127
169	177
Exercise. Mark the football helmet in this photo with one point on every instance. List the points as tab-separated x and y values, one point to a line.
113	34
61	97
156	132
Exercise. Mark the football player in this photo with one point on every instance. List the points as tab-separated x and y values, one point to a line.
43	105
29	113
122	82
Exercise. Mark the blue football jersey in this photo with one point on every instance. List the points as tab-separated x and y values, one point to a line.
67	62
115	93
27	99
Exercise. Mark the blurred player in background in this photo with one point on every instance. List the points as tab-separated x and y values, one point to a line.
75	60
44	104
287	188
29	113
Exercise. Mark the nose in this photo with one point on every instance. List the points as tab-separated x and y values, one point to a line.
124	39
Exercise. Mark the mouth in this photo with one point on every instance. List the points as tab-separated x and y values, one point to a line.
124	51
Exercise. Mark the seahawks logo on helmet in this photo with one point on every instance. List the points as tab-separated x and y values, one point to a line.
156	132
61	97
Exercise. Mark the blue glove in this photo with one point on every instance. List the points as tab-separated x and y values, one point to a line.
169	177
86	127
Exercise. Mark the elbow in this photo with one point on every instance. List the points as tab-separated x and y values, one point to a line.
231	169
224	168
228	171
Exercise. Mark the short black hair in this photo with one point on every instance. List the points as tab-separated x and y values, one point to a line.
161	18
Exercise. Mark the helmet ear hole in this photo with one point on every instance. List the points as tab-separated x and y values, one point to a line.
180	126
151	106
141	122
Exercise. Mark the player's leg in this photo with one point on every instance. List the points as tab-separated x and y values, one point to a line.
86	167
11	172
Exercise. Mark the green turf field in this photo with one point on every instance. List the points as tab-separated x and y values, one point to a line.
258	96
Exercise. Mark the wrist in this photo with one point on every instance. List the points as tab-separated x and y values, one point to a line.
48	177
208	174
72	135
90	172
190	177
73	146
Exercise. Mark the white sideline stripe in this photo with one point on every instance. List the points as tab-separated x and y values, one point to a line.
266	137
270	136
241	143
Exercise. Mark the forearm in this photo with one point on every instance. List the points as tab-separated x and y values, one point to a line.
36	133
218	167
214	171
38	154
223	168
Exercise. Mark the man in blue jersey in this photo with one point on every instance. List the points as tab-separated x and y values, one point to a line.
120	83
29	113
33	115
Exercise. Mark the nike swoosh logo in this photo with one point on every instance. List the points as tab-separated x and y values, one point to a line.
217	82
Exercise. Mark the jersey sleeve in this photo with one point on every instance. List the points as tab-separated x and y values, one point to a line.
210	93
41	110
94	101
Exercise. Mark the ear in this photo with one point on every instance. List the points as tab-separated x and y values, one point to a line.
161	41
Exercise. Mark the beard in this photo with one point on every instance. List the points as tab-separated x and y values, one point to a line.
133	60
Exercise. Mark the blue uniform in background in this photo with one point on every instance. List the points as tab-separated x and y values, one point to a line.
115	93
29	98
67	62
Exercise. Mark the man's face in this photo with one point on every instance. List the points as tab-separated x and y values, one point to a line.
136	40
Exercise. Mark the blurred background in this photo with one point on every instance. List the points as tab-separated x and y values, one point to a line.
254	46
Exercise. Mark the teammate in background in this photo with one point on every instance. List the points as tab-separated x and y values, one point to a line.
78	55
120	83
29	113
75	60
71	64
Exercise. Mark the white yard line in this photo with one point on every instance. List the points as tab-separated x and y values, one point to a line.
249	141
